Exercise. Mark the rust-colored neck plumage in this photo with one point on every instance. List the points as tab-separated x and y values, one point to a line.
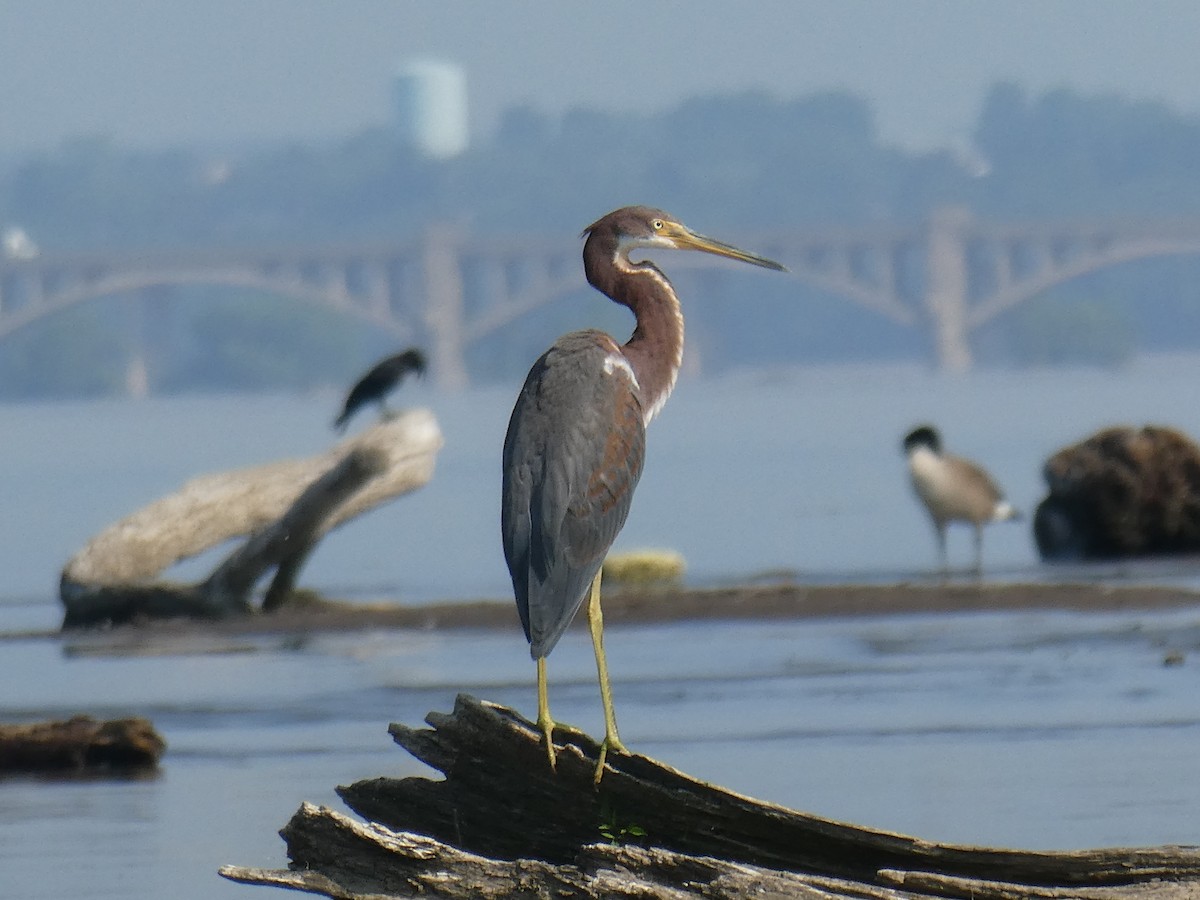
655	349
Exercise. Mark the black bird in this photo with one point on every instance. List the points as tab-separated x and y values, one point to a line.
378	383
575	443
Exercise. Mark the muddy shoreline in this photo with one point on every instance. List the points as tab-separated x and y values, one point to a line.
657	605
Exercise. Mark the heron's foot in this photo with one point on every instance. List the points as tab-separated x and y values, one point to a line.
570	730
547	727
610	742
550	727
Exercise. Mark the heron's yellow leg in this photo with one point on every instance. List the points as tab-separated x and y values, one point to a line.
545	723
612	740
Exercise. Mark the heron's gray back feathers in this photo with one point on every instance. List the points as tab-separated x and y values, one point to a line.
572	458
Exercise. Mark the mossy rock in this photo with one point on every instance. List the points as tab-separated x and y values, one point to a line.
644	567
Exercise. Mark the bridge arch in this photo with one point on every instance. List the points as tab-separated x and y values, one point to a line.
508	311
1013	295
875	291
135	281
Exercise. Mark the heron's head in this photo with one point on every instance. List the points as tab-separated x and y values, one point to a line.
635	227
923	436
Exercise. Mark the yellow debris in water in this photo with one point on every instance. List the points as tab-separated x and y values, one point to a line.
644	567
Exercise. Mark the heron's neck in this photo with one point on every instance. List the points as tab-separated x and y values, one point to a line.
655	349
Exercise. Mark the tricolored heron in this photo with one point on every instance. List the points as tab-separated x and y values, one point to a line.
953	489
576	440
379	381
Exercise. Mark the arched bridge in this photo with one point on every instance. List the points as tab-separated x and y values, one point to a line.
949	275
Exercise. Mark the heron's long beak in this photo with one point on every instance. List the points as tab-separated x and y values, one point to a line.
686	239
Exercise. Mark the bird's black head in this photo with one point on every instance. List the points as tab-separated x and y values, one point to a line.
414	360
923	436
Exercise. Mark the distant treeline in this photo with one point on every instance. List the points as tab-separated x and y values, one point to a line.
729	164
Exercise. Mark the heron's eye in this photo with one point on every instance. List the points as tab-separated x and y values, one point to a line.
657	224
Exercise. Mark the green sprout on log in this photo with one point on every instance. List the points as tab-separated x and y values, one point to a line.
615	833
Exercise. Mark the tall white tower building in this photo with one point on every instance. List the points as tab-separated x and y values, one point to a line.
429	100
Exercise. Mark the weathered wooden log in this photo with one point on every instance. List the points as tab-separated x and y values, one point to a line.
80	744
285	508
501	823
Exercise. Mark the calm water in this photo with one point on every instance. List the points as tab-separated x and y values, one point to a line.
1050	729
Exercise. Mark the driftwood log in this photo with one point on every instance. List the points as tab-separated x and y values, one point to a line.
501	824
282	508
80	745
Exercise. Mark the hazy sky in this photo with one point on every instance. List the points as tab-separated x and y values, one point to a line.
157	72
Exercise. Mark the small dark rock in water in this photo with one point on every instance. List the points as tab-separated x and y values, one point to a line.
1173	658
1123	492
80	745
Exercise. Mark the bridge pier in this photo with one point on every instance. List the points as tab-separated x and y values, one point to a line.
946	288
444	308
151	327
